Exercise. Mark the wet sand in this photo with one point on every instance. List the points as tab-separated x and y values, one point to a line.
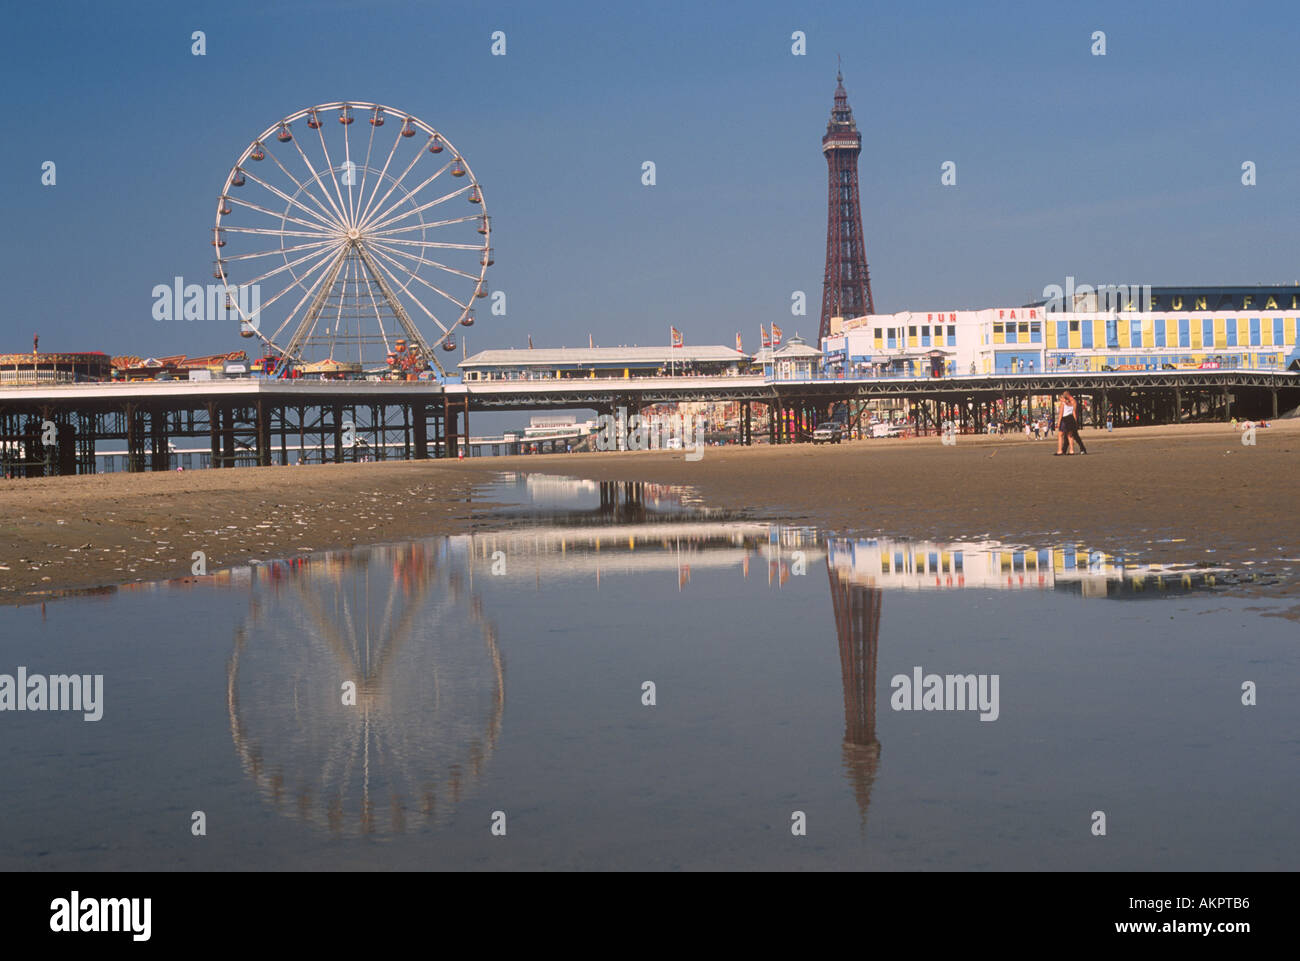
1185	494
1176	494
73	532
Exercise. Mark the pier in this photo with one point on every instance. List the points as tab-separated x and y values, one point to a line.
56	428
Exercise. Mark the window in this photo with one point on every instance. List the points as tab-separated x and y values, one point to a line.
911	331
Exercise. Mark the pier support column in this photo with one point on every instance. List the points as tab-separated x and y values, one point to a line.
420	430
214	444
134	439
451	428
1273	391
228	437
159	455
263	434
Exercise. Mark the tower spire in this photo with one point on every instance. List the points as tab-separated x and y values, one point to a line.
846	289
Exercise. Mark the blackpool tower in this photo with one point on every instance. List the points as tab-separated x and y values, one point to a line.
846	291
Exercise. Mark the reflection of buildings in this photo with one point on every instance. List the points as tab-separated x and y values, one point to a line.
398	623
857	626
405	625
922	565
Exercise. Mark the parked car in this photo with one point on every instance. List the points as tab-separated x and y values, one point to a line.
828	434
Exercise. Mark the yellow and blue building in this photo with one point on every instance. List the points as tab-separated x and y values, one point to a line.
1234	327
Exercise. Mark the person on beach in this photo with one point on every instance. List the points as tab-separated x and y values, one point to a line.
1068	426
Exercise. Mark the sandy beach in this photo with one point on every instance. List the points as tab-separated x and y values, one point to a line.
1183	494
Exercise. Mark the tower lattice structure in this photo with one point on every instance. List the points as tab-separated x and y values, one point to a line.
846	290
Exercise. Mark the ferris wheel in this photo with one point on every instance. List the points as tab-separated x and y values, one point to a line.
357	254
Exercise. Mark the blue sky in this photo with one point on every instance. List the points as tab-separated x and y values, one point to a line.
1117	169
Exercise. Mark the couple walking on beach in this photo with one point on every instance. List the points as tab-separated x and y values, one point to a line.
1067	422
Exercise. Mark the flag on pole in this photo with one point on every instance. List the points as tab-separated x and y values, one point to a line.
776	335
530	341
739	346
677	337
762	333
589	343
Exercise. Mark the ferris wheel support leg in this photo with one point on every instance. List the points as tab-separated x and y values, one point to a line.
308	322
403	318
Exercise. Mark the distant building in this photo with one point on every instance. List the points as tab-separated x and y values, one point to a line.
792	360
39	368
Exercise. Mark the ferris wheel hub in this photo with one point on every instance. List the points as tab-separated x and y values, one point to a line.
354	235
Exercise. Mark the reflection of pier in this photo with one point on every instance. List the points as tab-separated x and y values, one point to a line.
857	626
663	545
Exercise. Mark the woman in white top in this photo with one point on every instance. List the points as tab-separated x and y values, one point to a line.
1069	426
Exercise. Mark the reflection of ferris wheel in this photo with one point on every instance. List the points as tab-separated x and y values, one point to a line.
354	252
399	623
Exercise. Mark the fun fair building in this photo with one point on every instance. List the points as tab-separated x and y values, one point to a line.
1238	327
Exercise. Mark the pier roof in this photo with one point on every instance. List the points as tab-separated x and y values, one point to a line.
611	356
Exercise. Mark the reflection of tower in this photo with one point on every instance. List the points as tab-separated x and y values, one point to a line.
846	289
857	624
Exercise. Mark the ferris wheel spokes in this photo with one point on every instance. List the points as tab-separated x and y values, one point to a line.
329	165
324	216
324	255
416	210
429	225
282	216
422	260
437	290
427	312
287	199
396	183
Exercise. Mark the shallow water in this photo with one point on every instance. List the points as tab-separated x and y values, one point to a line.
503	671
